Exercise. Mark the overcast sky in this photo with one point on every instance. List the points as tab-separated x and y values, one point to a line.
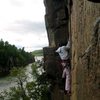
22	23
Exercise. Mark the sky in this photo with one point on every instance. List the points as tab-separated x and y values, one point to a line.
22	23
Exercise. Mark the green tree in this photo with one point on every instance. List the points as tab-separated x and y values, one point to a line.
10	57
38	89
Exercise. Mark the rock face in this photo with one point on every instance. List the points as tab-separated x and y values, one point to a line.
85	30
79	19
56	20
96	1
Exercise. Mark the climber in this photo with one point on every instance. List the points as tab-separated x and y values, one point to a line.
63	52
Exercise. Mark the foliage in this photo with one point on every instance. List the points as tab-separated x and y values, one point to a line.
38	89
10	57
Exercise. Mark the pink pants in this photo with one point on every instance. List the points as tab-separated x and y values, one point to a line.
66	74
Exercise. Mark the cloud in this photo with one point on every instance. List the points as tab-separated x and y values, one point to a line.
26	26
16	3
22	23
33	47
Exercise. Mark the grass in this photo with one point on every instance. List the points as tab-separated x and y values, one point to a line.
38	52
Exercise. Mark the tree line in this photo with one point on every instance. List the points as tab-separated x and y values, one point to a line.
11	56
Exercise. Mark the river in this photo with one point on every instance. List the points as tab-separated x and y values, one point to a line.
7	82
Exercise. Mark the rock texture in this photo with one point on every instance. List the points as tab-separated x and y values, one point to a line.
79	19
56	20
85	29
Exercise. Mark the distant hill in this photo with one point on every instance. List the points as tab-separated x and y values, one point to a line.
38	52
